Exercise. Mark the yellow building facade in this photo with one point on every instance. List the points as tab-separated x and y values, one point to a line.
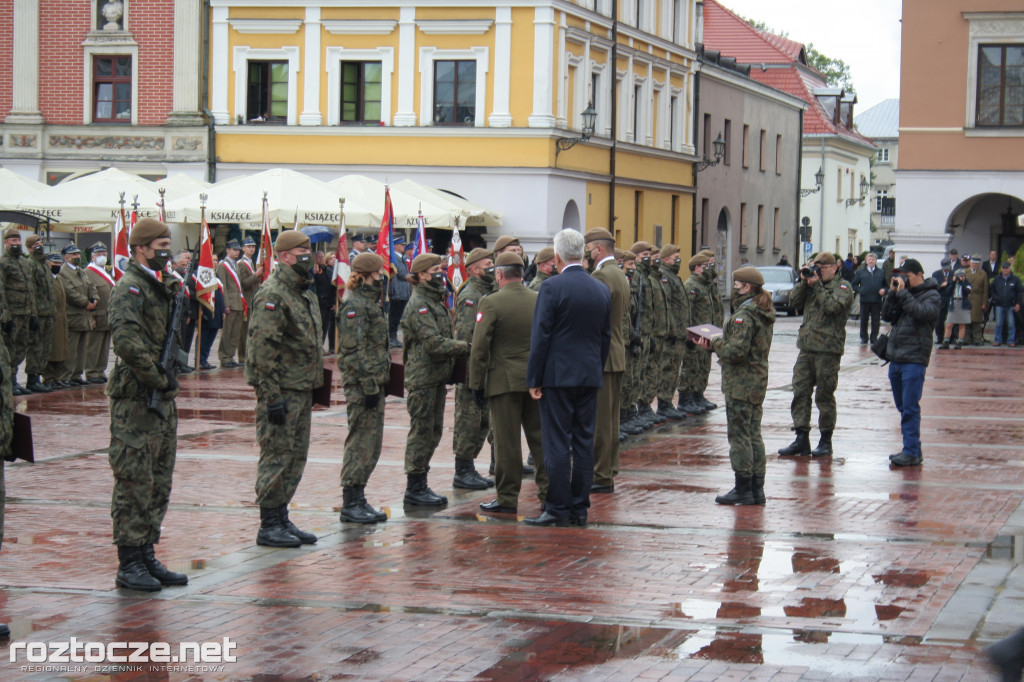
471	97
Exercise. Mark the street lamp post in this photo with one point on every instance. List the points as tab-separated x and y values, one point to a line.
719	150
819	178
864	185
589	117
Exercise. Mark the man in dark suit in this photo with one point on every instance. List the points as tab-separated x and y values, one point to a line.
991	266
870	283
569	344
497	377
944	278
600	245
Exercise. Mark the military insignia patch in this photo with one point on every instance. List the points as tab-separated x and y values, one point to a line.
270	306
479	316
664	280
842	286
422	311
469	302
350	314
135	290
739	320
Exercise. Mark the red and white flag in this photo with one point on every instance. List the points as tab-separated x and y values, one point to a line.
121	253
205	276
386	236
456	264
419	244
342	267
266	254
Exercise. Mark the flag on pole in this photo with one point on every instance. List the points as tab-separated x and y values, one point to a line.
419	244
135	219
266	255
205	276
342	268
121	253
456	264
386	236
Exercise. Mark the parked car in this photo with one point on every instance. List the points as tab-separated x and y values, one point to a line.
780	280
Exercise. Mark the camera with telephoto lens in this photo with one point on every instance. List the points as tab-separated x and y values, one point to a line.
810	271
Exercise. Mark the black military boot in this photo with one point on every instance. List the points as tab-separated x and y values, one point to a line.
34	385
757	488
159	571
272	530
304	537
379	515
824	448
699	399
132	573
800	446
650	415
687	404
529	469
466	476
668	411
419	495
640	419
740	494
20	390
352	509
627	425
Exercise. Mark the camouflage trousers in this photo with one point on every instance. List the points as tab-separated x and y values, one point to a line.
746	447
18	340
471	424
39	353
695	370
512	414
668	371
637	373
606	430
650	380
283	448
364	440
426	419
812	370
142	454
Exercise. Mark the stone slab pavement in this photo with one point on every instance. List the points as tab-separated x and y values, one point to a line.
851	571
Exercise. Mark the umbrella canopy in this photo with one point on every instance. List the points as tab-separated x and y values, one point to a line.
179	185
406	206
318	233
293	198
15	187
474	216
93	200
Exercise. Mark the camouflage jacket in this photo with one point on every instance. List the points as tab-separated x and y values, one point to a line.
705	301
42	279
466	306
19	284
430	348
538	279
646	308
363	355
139	312
629	330
826	307
743	352
676	303
285	345
659	304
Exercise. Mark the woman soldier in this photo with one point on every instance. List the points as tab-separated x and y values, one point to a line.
429	357
365	364
742	351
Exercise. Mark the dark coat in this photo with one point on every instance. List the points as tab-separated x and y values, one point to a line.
965	301
945	292
868	283
913	313
1005	291
214	319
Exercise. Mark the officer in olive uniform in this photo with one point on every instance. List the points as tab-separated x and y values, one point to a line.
285	363
705	307
20	326
497	378
600	249
6	432
429	358
58	354
142	442
472	423
39	352
628	424
251	276
826	299
545	262
97	345
676	314
364	360
227	273
81	301
742	352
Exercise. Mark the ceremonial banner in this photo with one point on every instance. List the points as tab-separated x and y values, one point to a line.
266	255
205	277
121	253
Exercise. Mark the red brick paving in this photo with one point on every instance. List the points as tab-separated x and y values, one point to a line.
841	576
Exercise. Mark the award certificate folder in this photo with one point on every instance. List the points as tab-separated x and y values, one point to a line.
21	442
702	331
322	395
396	382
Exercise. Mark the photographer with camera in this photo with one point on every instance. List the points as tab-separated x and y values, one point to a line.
957	303
826	299
912	307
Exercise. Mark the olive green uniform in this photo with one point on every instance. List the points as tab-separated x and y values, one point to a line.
472	424
606	423
677	313
978	297
39	353
97	344
537	280
658	337
142	444
59	340
250	283
821	341
285	363
705	307
19	306
743	355
428	354
78	292
365	364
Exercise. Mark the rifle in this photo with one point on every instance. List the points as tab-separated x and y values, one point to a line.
169	356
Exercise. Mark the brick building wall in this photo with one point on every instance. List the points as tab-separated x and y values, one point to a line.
6	56
152	25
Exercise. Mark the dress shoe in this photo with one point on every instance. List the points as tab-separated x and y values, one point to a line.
78	382
602	488
207	365
495	507
97	380
230	364
578	520
547	519
185	369
905	460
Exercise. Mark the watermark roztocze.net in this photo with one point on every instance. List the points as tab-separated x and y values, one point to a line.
75	651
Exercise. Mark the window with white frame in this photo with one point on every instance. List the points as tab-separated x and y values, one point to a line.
361	92
266	82
112	89
879	196
453	86
638	107
882	156
370	98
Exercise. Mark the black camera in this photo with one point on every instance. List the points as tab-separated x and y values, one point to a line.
901	278
810	271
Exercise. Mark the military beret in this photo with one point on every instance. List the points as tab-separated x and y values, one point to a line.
12	232
424	262
699	259
146	230
825	258
233	244
32	239
367	262
505	240
628	255
641	246
54	258
290	239
70	248
545	254
508	259
597	233
669	250
249	241
749	274
98	247
478	254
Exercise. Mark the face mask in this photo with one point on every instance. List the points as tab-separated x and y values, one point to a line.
55	269
302	264
487	276
14	249
159	259
710	272
100	261
674	267
76	260
37	249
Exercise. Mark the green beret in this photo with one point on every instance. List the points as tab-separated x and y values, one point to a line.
700	259
290	239
12	232
504	241
668	250
477	254
598	233
424	262
626	255
146	230
545	254
367	262
641	246
749	275
508	258
32	239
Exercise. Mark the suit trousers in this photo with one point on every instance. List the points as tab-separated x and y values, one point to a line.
74	365
567	417
511	413
872	311
606	433
97	353
229	336
39	353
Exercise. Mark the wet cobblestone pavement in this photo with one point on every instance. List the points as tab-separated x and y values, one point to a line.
853	570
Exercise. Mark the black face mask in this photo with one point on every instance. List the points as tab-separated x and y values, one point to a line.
14	249
487	276
55	269
302	264
159	259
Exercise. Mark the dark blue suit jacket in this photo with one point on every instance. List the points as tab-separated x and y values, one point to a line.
571	331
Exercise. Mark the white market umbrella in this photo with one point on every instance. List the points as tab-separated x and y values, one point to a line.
473	215
179	185
290	194
406	206
14	187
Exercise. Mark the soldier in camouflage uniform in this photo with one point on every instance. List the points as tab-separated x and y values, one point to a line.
826	301
640	381
705	307
472	423
627	421
429	357
742	352
39	353
365	363
285	362
676	315
545	262
21	325
142	442
657	337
